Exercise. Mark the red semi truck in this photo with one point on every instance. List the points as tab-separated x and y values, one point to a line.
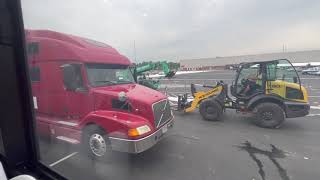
84	93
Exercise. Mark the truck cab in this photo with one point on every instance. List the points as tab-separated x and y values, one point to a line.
84	93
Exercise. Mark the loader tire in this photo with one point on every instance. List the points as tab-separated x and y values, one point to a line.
210	110
269	115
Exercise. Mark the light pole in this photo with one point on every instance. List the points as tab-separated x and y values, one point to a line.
134	51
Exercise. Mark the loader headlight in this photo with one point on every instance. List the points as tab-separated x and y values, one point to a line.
139	131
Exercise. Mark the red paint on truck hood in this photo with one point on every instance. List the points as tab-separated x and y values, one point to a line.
140	97
134	92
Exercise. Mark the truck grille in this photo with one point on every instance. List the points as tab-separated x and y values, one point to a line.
161	112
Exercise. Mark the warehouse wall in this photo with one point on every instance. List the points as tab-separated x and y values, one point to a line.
218	62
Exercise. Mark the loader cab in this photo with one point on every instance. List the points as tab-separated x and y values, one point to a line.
270	90
277	77
249	81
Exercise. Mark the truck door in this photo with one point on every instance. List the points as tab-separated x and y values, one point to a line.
34	70
78	98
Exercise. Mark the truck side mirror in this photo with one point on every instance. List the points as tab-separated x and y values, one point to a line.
295	79
72	77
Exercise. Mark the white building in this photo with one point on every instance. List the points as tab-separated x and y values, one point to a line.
298	58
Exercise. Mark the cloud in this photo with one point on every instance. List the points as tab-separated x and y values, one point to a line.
177	29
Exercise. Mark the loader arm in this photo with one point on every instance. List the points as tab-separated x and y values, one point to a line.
201	95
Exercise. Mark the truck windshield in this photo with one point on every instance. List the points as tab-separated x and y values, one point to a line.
108	74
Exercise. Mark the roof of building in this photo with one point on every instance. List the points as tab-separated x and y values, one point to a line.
294	57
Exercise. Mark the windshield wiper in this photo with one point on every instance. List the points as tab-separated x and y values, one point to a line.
104	81
125	81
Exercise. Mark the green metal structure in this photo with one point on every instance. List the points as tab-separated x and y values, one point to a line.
142	78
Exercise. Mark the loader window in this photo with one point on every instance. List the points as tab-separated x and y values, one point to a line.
271	72
282	70
249	80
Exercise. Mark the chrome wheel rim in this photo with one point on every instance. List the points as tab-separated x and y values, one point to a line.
97	144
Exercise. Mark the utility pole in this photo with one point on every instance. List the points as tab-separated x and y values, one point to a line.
134	51
284	48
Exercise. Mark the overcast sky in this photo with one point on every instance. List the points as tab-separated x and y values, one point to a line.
183	29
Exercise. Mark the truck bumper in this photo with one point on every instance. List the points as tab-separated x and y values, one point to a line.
296	109
140	145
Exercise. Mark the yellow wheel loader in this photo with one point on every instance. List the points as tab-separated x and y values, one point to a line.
271	90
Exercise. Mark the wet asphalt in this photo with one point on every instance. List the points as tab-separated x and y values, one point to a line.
231	149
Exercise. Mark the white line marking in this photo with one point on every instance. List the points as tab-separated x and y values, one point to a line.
311	115
67	123
315	107
70	140
309	78
60	160
314	96
35	103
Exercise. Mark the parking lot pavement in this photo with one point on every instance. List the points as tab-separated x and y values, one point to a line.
196	149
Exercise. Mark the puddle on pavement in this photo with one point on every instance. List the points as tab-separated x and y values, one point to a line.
273	154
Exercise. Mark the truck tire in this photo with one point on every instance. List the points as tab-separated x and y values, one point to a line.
95	142
269	115
210	110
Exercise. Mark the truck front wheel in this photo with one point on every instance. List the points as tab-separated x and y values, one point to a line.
95	142
269	115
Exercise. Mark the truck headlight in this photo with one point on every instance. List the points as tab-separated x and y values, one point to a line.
139	131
